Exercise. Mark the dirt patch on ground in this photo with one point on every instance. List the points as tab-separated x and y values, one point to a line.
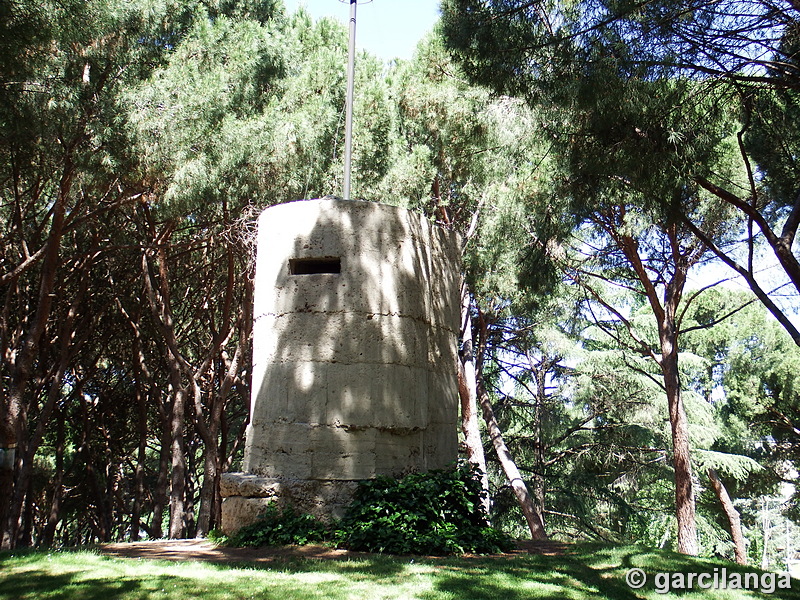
203	550
546	548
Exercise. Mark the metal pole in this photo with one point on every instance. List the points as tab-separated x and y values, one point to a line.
348	135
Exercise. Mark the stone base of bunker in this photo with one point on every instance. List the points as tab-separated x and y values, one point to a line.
246	496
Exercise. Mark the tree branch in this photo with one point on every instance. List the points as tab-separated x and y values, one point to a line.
748	276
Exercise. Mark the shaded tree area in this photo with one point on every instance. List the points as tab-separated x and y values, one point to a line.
230	110
657	115
137	141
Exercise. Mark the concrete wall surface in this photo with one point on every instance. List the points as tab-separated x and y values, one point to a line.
355	343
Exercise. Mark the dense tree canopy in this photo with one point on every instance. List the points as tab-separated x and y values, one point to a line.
738	57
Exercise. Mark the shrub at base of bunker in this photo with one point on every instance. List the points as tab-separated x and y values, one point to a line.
438	512
433	513
282	527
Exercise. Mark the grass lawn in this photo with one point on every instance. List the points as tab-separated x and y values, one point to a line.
585	571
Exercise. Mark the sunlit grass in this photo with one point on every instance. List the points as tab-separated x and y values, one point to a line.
586	571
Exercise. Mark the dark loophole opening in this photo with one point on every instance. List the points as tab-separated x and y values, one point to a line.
312	266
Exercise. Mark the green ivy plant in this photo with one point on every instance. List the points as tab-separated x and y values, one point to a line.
435	513
281	527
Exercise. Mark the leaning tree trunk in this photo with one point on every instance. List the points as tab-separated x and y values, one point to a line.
534	518
732	514
539	371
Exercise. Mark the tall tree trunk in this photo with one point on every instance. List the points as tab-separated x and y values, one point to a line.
533	518
26	460
666	318
734	520
48	535
210	499
189	523
90	477
468	394
177	492
138	478
160	491
141	455
10	409
141	380
8	458
205	514
209	433
67	348
159	301
211	462
681	458
540	375
25	534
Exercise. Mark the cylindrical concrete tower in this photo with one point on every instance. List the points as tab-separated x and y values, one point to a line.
354	352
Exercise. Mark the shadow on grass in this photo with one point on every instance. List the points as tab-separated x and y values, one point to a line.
45	585
63	586
373	566
523	578
589	571
582	571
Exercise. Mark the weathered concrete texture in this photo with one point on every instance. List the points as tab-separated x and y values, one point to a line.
247	496
354	369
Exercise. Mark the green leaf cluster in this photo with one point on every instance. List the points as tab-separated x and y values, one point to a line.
281	526
438	512
432	513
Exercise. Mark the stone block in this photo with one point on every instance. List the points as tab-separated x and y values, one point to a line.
349	391
323	499
343	453
343	337
248	485
399	452
440	446
291	391
238	511
376	395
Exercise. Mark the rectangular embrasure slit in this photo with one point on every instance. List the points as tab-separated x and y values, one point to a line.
313	266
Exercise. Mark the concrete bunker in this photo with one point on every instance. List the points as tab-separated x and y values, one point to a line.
354	355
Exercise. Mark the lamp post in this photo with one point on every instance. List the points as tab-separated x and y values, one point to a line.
348	127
